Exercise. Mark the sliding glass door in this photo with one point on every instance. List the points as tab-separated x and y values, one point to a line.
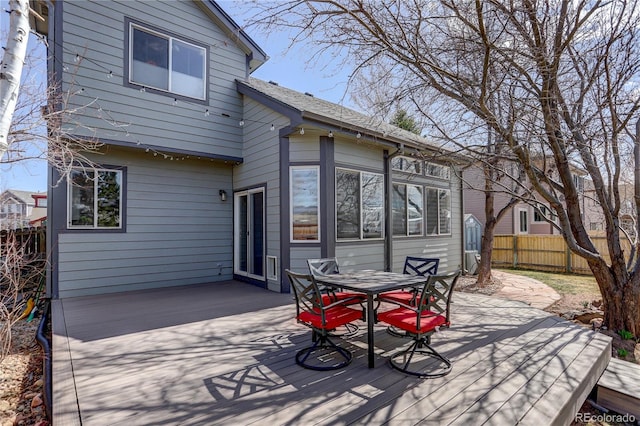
249	233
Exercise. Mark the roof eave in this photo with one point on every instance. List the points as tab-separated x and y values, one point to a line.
256	55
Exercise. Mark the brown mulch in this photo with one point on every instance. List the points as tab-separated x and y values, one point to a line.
21	379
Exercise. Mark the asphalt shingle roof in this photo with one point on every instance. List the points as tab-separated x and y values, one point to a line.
331	113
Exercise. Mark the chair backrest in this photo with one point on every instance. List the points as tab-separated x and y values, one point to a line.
420	266
305	291
436	293
325	266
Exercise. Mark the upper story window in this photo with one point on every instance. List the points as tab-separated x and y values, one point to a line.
166	63
407	165
437	170
95	199
578	181
359	205
305	203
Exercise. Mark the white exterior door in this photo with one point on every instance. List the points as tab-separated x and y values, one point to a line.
249	235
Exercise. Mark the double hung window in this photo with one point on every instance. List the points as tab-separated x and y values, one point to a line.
438	211
163	62
408	211
95	199
359	205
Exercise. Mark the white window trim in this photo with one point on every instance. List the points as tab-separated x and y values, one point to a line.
95	203
445	169
411	159
132	26
291	169
360	172
526	212
406	205
426	188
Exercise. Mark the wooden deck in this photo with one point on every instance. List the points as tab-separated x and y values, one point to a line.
224	354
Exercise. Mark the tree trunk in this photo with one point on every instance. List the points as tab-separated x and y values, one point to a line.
486	249
620	297
12	61
485	277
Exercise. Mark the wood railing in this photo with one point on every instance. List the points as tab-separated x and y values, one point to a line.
543	253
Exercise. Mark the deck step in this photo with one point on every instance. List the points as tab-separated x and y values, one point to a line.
619	388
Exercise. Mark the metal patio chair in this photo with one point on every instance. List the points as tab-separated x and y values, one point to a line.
413	265
329	266
420	321
321	317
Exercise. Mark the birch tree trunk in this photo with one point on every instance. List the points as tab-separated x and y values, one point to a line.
12	63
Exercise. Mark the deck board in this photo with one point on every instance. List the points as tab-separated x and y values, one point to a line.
224	354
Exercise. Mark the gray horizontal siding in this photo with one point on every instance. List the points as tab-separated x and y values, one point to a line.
299	256
304	148
177	232
95	30
358	155
261	167
361	256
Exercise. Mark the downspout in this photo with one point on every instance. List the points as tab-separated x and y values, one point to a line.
463	242
388	225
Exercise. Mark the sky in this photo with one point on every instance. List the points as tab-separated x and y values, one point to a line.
287	67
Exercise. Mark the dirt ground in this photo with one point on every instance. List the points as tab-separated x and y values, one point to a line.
21	383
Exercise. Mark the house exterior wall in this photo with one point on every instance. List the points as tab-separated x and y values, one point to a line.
261	168
109	108
177	230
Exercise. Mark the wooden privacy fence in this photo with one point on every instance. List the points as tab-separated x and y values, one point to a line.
32	240
543	253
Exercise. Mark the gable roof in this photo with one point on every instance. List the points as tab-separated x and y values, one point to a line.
24	197
256	56
300	107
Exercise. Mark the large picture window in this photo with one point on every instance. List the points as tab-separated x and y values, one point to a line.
95	199
165	63
305	203
438	211
408	210
359	205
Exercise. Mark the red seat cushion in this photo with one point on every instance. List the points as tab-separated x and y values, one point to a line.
330	298
406	297
334	317
407	319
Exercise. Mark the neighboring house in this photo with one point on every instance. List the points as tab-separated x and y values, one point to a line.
207	174
522	218
21	209
594	216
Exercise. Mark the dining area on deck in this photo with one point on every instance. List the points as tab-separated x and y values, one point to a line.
225	353
413	304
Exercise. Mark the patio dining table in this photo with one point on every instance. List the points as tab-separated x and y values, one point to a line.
371	283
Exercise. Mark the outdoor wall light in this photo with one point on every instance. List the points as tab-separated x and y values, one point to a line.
223	195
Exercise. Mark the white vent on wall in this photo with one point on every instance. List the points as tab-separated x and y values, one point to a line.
272	268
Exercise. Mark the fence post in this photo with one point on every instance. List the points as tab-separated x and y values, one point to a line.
515	252
568	266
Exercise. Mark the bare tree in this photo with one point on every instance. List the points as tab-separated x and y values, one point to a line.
557	81
37	123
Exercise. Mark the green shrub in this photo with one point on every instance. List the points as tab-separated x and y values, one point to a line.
626	335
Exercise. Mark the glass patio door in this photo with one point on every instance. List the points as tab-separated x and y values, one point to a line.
249	233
